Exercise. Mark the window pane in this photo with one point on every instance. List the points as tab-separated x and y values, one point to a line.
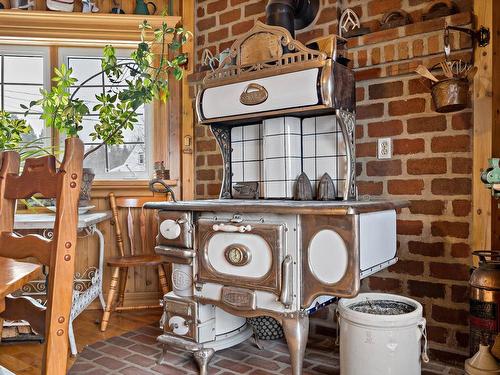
136	135
37	126
84	68
87	94
126	75
23	69
24	74
96	160
88	127
140	110
127	158
15	95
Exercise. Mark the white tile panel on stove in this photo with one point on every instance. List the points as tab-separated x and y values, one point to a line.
282	154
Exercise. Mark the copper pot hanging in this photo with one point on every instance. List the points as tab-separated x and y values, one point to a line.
450	95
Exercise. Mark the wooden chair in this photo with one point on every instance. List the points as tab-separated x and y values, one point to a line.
120	265
40	175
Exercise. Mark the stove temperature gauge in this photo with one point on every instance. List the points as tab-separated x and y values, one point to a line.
237	255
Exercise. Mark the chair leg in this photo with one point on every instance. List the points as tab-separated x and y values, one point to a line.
1	328
115	278
163	279
123	284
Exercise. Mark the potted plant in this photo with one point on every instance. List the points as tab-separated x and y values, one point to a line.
144	76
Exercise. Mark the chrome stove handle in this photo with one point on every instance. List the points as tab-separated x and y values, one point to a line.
286	283
231	228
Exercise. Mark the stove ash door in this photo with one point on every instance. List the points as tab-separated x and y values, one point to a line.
245	255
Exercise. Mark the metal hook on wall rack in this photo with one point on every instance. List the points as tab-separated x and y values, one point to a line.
481	36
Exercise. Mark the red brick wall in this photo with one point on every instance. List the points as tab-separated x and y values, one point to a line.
431	165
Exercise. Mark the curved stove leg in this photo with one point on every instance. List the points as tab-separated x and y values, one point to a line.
203	357
162	360
296	333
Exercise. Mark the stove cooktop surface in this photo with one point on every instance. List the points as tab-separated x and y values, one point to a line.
280	206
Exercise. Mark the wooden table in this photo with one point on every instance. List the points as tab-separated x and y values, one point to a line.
13	275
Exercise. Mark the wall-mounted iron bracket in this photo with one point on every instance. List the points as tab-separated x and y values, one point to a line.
481	36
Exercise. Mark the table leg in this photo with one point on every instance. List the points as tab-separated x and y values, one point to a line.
101	265
72	341
80	304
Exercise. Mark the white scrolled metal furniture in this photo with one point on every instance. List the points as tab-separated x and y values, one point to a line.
82	296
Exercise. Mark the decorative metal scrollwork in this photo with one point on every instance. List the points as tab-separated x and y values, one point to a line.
223	136
349	20
347	125
48	233
246	54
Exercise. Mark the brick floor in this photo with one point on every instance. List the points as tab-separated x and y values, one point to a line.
135	353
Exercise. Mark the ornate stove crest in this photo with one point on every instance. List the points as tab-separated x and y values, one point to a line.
264	50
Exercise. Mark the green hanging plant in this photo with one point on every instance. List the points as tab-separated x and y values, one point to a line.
145	77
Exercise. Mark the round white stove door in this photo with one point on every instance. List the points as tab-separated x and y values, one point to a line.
170	229
178	325
328	256
239	254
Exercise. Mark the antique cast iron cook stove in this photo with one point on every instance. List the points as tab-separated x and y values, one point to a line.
277	109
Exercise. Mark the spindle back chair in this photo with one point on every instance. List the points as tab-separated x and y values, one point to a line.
133	258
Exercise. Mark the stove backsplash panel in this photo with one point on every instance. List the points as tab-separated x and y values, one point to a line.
246	155
275	152
324	151
282	156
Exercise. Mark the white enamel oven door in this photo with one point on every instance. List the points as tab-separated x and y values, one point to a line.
330	258
246	255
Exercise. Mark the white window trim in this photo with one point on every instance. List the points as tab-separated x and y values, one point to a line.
44	52
63	54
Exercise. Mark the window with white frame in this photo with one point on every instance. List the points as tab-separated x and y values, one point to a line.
23	72
130	160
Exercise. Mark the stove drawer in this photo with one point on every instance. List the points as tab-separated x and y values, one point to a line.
175	229
189	319
242	255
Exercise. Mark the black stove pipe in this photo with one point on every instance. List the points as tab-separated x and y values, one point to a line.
291	14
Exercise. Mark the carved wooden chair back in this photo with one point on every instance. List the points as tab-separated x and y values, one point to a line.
131	204
40	175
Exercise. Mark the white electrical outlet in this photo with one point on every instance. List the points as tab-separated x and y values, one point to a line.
384	149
